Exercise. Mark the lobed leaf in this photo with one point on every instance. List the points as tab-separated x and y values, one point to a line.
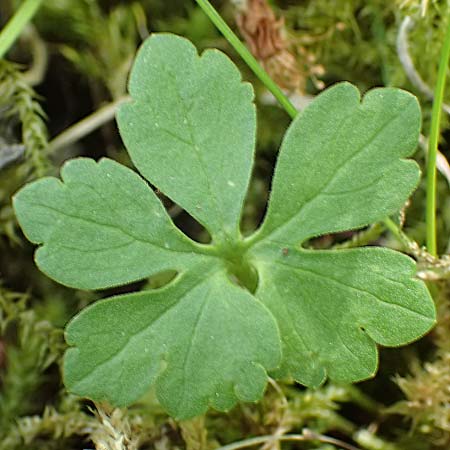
332	308
190	129
203	340
102	227
341	163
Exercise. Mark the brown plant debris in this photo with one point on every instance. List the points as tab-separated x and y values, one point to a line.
267	39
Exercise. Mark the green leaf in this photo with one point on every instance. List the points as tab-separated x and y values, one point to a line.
341	163
238	307
102	227
190	129
204	340
333	306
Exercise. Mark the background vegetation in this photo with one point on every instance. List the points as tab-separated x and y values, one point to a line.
59	86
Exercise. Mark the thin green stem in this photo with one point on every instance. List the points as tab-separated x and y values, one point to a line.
408	245
392	227
16	24
433	144
362	238
245	54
